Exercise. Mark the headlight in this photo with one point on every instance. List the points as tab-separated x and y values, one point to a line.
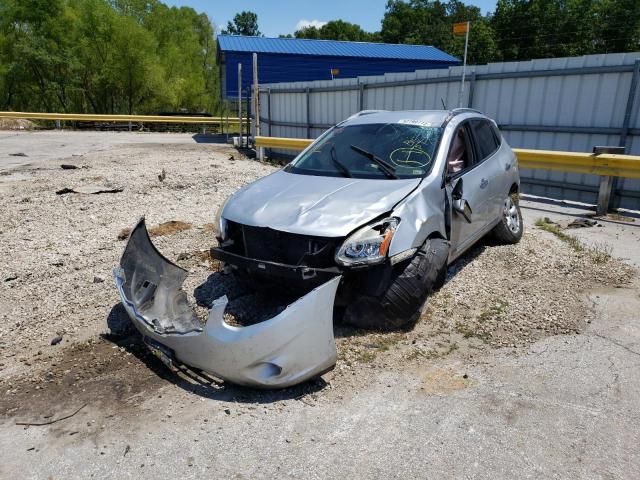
220	224
369	244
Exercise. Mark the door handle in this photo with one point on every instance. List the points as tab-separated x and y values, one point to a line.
484	182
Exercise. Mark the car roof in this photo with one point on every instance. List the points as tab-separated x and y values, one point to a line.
422	117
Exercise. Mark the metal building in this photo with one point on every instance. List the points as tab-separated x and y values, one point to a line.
294	59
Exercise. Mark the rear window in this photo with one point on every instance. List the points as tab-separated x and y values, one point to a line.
485	138
407	150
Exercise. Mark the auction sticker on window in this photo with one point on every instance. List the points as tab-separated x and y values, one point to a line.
410	121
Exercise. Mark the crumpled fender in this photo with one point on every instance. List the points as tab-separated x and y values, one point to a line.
291	347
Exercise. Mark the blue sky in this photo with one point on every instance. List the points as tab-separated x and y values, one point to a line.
284	16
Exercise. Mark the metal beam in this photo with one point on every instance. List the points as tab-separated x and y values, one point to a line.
89	117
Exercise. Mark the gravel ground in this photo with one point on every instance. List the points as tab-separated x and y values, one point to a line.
58	252
504	376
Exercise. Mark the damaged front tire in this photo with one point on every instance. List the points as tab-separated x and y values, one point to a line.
400	305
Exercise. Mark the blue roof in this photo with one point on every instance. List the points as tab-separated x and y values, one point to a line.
332	48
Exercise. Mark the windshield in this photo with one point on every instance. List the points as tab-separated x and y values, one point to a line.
379	150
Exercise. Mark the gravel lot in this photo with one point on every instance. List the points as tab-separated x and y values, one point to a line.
58	251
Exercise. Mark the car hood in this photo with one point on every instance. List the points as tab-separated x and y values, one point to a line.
313	205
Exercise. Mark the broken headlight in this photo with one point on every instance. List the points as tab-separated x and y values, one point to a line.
369	244
220	224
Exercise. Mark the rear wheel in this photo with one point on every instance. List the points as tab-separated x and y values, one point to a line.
509	229
401	304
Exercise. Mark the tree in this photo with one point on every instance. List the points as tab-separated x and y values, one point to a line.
106	56
431	24
336	30
244	23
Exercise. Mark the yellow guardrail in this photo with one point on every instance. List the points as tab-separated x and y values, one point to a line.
285	143
604	164
89	117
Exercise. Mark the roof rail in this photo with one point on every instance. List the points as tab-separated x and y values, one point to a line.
458	111
362	113
463	110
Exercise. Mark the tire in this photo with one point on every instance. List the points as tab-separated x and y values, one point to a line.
400	306
510	228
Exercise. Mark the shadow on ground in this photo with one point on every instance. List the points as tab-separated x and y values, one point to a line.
200	383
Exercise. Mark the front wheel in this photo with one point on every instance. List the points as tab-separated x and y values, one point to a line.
509	229
400	305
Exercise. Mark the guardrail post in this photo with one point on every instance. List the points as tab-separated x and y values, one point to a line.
58	127
308	124
606	182
130	125
248	115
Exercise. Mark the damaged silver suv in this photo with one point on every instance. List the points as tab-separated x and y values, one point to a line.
384	199
362	223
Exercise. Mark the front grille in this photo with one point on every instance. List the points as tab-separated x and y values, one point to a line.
270	245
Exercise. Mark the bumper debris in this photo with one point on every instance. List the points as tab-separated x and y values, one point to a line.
287	349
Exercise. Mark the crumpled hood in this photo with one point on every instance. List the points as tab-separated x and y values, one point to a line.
311	205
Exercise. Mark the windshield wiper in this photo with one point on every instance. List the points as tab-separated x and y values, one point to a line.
387	169
344	170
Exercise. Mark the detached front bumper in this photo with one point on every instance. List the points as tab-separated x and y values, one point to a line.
287	349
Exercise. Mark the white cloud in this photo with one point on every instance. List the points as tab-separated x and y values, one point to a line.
309	23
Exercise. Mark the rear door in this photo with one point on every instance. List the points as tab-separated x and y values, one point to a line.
487	146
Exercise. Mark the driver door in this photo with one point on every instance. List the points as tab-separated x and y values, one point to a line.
467	193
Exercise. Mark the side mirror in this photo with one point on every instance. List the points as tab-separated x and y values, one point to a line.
459	204
462	207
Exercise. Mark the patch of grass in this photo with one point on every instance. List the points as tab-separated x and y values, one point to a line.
418	352
386	341
599	252
551	227
467	332
366	356
495	310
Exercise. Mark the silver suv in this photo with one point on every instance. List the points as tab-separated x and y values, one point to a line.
385	199
363	223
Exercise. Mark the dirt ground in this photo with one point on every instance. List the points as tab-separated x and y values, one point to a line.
58	251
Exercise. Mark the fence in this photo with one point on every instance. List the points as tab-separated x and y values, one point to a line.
568	104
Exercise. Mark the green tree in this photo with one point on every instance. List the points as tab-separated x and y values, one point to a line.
336	30
106	56
244	23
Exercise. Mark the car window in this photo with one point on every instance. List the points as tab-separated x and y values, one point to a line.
404	150
460	155
497	134
485	139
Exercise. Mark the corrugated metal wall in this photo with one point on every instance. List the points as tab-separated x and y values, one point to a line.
278	67
568	104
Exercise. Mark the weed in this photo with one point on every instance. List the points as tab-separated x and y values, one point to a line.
467	332
366	356
495	310
599	252
548	226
